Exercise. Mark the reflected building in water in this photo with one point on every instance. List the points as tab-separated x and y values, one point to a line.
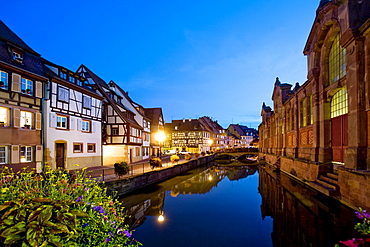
301	215
147	203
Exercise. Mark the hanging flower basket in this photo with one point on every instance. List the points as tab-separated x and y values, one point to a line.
121	168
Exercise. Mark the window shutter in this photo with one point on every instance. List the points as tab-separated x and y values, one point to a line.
16	118
15	154
38	89
72	123
38	153
16	82
79	124
52	120
38	121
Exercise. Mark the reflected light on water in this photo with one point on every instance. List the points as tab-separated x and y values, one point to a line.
161	218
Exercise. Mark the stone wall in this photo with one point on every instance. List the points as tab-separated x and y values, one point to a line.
303	169
354	187
127	185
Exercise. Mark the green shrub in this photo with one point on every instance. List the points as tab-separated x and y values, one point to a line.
121	168
59	208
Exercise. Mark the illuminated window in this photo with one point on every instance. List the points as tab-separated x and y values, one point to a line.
304	112
27	86
26	119
85	126
337	61
26	154
77	147
62	122
3	80
4	116
339	104
91	148
3	154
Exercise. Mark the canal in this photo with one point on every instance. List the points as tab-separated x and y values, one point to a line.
240	205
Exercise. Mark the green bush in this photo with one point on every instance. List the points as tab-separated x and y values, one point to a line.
121	168
59	208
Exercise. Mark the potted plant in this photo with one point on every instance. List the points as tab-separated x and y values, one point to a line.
174	158
2	84
155	162
28	91
188	156
2	123
121	168
196	155
27	126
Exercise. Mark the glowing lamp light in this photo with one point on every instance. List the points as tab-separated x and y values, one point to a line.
210	177
160	136
210	142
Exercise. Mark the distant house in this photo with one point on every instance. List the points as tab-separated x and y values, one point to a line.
72	120
218	134
21	93
124	125
243	134
188	134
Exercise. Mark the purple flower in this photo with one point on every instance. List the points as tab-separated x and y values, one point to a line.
79	198
111	234
86	189
107	240
99	209
127	233
85	225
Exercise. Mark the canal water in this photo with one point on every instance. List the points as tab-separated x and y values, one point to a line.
236	205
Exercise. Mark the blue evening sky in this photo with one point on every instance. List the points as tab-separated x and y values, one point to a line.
192	58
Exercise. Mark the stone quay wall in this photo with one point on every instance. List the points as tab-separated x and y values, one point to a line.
130	184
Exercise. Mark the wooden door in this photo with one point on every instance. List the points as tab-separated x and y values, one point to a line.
59	157
339	137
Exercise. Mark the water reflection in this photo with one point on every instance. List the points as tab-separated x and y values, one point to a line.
221	199
150	201
302	216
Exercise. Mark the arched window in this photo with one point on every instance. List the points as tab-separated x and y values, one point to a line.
337	61
339	103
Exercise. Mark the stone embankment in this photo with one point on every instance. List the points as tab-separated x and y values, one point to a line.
131	183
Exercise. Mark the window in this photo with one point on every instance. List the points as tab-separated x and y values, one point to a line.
63	75
77	147
26	119
3	154
72	79
26	154
27	86
85	126
87	102
115	131
304	112
137	150
79	82
63	94
4	116
339	103
3	80
310	110
62	122
91	148
337	61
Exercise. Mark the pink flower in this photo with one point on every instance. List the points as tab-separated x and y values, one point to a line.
354	242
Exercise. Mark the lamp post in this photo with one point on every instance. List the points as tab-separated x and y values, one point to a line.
160	136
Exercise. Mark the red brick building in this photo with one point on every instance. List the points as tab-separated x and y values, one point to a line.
319	131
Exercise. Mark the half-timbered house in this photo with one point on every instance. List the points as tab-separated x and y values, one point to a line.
157	125
122	133
21	93
72	120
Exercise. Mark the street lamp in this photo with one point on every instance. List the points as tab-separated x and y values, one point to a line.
160	136
210	142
